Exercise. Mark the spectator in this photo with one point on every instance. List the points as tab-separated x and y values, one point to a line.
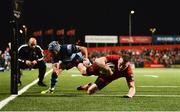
2	61
7	58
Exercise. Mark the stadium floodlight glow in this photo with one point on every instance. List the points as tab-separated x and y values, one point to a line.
24	26
130	22
132	12
25	32
21	31
152	30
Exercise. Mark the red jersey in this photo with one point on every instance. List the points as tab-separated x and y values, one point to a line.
127	72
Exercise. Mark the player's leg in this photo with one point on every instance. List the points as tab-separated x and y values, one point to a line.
42	70
92	89
90	70
99	84
84	87
8	64
54	78
81	63
83	71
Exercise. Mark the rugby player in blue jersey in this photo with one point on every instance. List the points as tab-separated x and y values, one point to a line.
65	57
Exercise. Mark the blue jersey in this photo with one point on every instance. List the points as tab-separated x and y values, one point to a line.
69	56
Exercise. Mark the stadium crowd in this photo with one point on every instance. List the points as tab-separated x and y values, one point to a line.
5	59
166	57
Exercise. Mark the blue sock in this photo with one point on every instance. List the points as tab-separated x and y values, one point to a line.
54	78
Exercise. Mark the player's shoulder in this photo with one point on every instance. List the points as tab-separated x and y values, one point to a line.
39	47
23	46
67	46
112	56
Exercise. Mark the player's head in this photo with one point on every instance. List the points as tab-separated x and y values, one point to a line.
32	42
54	47
122	62
126	58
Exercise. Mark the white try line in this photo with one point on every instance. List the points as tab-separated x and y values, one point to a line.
20	92
154	76
78	75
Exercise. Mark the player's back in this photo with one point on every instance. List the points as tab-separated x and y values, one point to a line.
69	49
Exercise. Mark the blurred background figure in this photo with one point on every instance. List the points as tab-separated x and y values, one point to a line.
7	58
2	61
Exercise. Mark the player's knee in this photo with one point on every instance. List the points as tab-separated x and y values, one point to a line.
57	71
54	71
92	89
84	73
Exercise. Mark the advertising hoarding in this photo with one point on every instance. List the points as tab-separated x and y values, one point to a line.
135	39
101	39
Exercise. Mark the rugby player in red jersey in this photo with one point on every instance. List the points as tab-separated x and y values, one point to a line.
108	69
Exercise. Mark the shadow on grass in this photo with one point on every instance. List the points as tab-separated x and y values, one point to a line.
70	95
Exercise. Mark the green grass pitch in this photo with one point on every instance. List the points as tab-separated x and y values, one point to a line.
156	90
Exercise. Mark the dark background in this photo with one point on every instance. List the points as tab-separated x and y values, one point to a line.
104	17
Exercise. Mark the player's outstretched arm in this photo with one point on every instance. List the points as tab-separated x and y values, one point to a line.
102	62
83	50
132	89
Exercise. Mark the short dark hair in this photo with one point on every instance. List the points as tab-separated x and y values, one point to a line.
126	57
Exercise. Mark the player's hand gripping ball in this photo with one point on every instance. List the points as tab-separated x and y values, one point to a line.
106	72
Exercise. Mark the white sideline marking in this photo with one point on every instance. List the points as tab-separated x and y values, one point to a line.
12	97
159	86
81	75
155	76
